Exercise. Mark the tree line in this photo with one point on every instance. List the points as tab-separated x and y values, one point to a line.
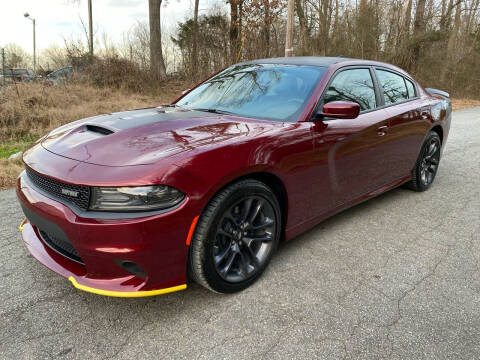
437	41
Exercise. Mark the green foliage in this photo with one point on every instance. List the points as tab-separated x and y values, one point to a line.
212	42
8	149
210	27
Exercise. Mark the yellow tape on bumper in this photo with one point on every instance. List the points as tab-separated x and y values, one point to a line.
20	227
126	293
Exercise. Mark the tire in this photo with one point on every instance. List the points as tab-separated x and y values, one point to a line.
226	235
426	167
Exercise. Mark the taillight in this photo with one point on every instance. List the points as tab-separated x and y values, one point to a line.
23	77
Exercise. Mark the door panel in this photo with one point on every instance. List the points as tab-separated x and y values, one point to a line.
409	123
354	149
294	153
355	153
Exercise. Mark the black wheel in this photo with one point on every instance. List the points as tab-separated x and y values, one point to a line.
426	167
235	237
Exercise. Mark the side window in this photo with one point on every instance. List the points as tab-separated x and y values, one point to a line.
352	85
394	88
411	89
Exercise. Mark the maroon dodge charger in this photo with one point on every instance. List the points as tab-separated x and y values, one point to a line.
136	203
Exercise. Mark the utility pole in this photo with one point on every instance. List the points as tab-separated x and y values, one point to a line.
289	36
90	27
27	15
34	48
3	65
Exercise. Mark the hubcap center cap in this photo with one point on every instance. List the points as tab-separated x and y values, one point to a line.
238	235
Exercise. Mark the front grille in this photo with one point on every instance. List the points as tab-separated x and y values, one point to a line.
62	246
55	188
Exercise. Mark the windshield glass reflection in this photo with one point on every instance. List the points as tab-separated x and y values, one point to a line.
264	91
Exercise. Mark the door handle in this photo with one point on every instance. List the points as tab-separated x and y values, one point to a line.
382	130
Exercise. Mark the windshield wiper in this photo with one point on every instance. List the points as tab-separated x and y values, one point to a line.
214	111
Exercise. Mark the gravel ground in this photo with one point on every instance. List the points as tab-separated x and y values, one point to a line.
396	277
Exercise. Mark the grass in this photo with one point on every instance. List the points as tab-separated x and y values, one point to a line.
8	149
29	111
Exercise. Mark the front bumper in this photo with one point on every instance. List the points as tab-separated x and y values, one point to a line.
156	244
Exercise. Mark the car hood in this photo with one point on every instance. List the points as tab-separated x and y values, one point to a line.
145	136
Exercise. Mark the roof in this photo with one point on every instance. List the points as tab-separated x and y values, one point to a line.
323	61
301	60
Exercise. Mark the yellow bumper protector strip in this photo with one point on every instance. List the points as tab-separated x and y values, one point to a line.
126	293
20	227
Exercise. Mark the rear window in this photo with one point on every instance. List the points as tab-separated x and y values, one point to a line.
394	88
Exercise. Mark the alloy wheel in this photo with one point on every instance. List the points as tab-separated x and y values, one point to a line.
244	238
430	161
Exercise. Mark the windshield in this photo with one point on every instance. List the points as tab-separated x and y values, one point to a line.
60	72
272	92
54	73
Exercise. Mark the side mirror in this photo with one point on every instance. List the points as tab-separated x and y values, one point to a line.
341	110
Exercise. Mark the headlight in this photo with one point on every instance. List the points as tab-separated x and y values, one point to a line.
139	198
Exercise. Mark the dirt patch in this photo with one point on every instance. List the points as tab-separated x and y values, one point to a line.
9	171
459	104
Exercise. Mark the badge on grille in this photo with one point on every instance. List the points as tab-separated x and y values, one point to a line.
70	192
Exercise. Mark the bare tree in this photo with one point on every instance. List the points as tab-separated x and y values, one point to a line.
235	34
16	56
304	32
53	57
438	41
157	64
195	40
419	26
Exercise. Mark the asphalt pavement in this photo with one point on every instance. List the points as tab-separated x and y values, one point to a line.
397	277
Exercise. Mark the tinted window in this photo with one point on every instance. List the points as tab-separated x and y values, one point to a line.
394	89
352	85
411	89
273	92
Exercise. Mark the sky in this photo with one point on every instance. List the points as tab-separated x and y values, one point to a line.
57	20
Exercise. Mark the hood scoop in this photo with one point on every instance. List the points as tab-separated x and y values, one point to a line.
98	129
168	109
146	136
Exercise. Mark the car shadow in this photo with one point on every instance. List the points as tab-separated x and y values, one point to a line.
342	217
195	296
